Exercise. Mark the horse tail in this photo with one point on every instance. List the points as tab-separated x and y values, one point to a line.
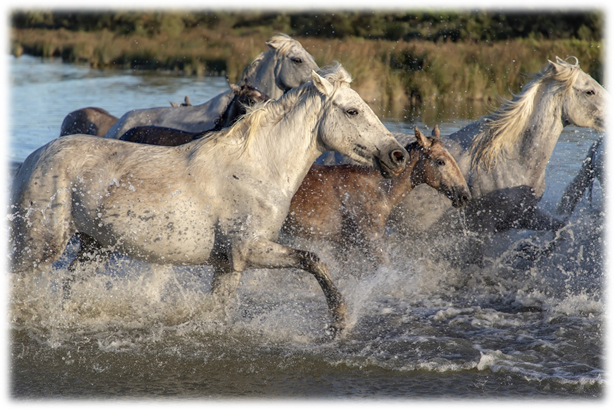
40	211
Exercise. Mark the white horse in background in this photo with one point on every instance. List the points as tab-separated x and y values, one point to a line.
219	200
285	65
504	155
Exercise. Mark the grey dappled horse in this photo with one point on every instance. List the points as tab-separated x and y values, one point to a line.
219	200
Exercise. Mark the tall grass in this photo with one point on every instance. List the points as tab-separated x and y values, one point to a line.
393	76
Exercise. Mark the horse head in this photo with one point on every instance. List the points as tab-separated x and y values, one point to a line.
245	95
435	166
584	103
349	126
293	64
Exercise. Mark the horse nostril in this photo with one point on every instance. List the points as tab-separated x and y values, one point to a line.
398	157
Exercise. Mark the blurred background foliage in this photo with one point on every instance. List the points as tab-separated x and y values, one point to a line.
479	25
399	59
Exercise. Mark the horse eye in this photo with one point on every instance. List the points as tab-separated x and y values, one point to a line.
441	162
590	92
297	60
352	111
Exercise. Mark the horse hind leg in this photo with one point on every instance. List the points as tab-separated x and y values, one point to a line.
90	252
34	249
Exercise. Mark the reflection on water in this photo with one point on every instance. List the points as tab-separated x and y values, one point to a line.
422	327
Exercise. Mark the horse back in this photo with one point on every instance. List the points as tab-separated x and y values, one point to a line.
89	120
195	118
154	135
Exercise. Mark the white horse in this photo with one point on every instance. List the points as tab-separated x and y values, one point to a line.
504	155
285	65
219	200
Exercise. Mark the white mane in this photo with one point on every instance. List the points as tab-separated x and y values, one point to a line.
501	130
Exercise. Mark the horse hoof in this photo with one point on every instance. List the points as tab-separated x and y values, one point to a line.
335	331
338	328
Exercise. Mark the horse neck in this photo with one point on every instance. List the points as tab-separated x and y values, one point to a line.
526	161
262	77
230	114
542	131
287	146
399	187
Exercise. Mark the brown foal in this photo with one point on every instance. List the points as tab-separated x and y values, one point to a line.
350	204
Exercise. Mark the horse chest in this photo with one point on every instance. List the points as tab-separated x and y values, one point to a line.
510	174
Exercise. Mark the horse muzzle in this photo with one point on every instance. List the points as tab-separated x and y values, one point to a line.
459	197
393	164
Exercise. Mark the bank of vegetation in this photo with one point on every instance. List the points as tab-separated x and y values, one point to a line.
398	59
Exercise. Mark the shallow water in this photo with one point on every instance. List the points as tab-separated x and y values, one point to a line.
422	328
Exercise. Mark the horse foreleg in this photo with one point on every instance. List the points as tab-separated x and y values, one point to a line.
371	243
575	190
270	255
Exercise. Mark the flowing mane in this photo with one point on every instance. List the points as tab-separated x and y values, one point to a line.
272	111
501	131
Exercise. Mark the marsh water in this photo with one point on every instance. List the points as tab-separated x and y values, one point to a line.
508	328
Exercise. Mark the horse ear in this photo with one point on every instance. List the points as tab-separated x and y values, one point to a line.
554	64
421	138
322	84
561	64
273	45
435	133
235	88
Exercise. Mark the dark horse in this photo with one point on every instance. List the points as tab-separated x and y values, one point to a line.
244	96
